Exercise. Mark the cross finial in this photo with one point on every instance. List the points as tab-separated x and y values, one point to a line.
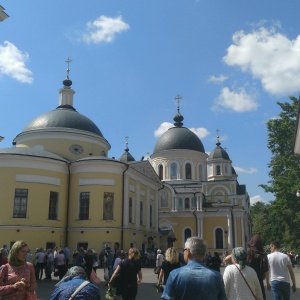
68	69
178	98
218	137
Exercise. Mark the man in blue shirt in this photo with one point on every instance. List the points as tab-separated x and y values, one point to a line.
194	281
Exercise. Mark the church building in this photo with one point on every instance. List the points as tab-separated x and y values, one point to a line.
59	186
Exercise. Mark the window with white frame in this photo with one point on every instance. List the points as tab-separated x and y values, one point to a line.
84	205
130	210
219	238
200	172
108	206
20	203
161	172
141	213
173	171
188	171
151	215
53	206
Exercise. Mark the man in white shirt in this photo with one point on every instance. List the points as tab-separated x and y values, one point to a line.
280	271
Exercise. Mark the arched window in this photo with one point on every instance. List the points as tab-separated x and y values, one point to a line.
186	203
200	172
187	233
219	238
161	172
188	171
218	170
173	171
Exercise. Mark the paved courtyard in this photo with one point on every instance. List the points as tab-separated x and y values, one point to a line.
146	291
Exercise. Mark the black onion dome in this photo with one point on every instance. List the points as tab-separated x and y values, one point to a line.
64	116
178	138
218	153
126	157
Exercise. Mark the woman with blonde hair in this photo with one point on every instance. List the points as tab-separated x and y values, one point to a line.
131	275
170	263
17	277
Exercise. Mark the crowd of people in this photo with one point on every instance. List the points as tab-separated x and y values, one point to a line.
193	274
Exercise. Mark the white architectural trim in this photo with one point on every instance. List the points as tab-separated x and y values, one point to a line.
38	179
96	181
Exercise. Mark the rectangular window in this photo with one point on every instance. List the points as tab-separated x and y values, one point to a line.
164	199
20	204
84	206
108	206
151	216
130	210
141	213
53	206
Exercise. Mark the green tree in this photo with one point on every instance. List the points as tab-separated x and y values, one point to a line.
284	211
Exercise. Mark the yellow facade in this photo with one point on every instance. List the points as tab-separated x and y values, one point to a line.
58	186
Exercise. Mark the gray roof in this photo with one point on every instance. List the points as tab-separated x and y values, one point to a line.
179	138
63	117
126	157
218	153
26	151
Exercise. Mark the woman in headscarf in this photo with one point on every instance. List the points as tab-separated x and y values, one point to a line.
240	280
74	277
169	264
258	260
131	275
17	277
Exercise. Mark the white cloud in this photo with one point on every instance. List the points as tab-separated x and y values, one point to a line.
12	63
269	56
256	199
162	128
238	101
200	132
219	79
104	29
249	171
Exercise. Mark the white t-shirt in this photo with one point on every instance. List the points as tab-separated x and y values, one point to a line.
278	266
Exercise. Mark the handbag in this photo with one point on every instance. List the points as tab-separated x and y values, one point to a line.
94	278
246	281
157	270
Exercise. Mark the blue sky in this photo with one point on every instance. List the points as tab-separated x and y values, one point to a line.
229	60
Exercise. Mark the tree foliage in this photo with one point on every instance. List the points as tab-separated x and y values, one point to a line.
284	212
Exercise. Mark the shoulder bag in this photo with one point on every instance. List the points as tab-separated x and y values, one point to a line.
246	281
78	289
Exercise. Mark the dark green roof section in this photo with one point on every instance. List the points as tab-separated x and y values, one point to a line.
178	138
63	117
218	153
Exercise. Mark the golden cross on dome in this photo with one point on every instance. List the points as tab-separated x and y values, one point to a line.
178	98
68	69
